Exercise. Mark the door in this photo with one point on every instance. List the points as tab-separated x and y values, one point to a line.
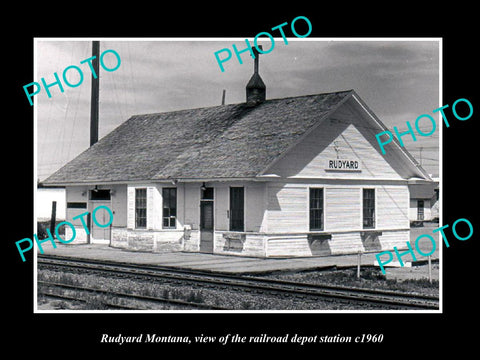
98	234
206	221
237	212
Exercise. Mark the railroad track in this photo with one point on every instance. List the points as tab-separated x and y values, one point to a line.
381	298
117	296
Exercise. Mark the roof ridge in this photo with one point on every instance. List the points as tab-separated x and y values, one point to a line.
307	130
216	141
241	103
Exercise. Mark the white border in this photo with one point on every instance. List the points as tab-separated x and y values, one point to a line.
340	39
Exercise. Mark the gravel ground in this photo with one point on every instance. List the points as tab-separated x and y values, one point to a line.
370	277
231	299
413	273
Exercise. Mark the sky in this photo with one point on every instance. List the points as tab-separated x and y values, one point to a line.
397	78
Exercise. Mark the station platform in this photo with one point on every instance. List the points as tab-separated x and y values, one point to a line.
239	264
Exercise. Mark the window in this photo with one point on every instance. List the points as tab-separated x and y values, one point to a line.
169	208
316	209
97	194
368	208
236	209
207	193
140	208
420	210
76	205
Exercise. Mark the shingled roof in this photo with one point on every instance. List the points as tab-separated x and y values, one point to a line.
227	141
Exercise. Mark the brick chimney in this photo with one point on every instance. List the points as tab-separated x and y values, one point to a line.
256	89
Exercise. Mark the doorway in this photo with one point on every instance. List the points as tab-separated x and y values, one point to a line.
206	220
100	235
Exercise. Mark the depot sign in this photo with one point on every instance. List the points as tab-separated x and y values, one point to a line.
343	165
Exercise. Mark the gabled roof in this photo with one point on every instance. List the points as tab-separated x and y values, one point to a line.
226	141
422	191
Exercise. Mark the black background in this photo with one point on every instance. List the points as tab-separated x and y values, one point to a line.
61	335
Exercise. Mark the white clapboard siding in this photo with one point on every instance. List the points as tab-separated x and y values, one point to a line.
342	136
119	205
192	205
390	239
180	208
254	206
291	246
287	208
152	207
342	208
73	194
131	207
346	243
392	207
222	206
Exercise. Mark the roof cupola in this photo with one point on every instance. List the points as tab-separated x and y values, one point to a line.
256	89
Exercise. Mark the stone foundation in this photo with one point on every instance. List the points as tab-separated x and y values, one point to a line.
336	243
257	244
81	236
147	240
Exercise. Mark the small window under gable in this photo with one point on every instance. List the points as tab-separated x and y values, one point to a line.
100	194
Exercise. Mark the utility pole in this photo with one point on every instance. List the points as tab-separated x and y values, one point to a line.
94	106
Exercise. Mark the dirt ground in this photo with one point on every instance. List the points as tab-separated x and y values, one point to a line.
420	271
414	272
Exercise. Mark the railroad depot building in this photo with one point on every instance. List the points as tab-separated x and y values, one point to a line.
296	176
424	200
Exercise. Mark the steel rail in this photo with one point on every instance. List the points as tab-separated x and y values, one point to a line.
142	298
71	298
382	297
